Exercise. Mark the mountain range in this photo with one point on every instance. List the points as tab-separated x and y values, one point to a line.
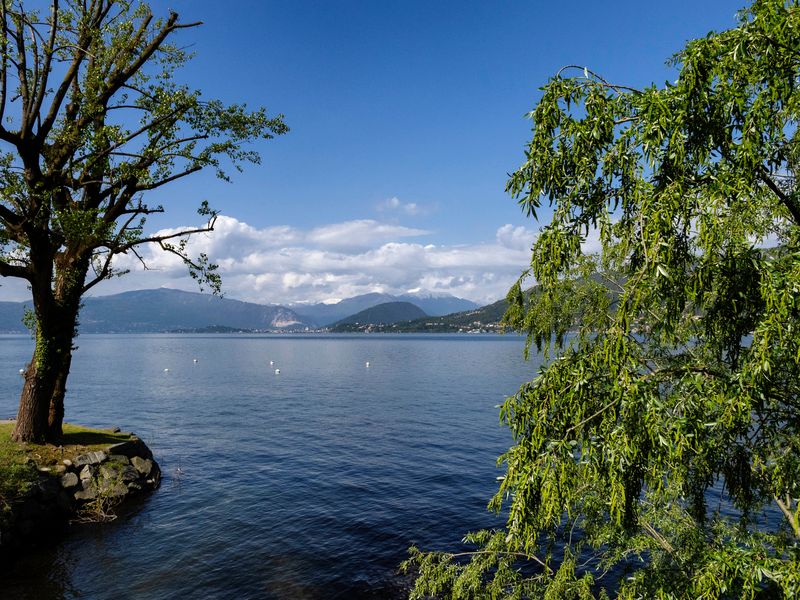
147	311
152	311
384	314
431	304
483	319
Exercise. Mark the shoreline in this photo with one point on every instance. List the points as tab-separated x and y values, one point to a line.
84	480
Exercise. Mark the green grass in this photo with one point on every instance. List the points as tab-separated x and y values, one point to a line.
16	475
19	461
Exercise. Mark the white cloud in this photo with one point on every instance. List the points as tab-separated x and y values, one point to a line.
359	234
518	238
591	243
285	264
395	204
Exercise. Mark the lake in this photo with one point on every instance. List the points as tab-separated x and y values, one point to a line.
311	483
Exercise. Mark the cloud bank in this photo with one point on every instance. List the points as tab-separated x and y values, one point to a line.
286	264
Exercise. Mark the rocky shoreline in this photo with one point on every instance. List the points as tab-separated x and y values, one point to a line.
85	488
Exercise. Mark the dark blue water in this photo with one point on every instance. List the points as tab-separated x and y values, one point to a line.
308	484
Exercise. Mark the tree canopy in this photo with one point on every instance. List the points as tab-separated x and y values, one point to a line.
92	118
657	452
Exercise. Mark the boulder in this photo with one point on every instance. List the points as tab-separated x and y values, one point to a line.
132	447
123	470
129	473
108	471
90	458
142	465
69	480
118	490
89	494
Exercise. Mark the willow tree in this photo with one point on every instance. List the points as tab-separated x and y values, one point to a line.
91	120
657	453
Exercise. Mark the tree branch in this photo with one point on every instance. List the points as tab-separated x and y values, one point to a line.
9	270
505	553
49	50
789	202
793	518
166	180
598	79
130	137
22	71
122	75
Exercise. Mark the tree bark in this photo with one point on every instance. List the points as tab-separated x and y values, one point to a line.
41	405
55	417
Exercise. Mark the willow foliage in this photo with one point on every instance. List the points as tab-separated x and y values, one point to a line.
657	454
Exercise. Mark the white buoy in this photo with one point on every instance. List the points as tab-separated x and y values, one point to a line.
272	362
367	364
277	371
194	360
166	370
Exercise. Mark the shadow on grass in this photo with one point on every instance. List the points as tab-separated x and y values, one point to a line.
75	437
91	438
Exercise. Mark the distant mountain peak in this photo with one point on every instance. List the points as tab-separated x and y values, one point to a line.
384	314
168	309
432	303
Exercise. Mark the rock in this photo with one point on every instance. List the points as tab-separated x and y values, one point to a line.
44	469
143	465
90	458
132	447
113	488
108	472
129	473
123	470
69	480
116	430
89	494
118	490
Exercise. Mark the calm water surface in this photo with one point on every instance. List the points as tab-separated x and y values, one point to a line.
308	484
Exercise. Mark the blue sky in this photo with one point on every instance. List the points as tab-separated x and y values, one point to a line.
405	119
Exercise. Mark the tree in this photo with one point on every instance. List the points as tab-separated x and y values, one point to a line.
91	119
665	423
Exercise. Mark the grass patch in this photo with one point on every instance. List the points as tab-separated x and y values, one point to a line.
20	461
16	475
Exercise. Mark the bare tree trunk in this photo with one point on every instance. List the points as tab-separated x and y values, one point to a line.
41	405
55	417
31	424
39	418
